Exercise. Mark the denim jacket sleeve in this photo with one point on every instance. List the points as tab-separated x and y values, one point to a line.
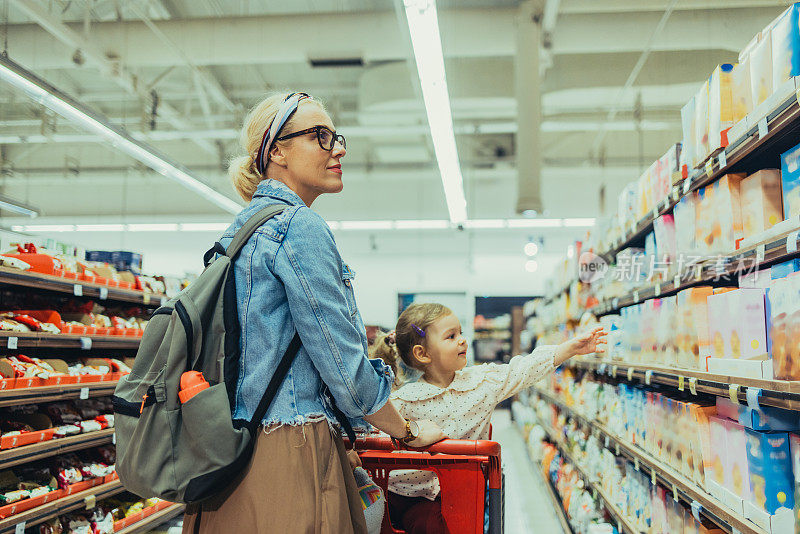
310	267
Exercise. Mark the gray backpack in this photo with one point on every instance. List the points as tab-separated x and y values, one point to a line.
188	452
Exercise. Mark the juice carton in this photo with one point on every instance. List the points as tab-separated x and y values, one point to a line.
762	205
740	90
770	461
728	218
761	70
786	46
790	182
720	106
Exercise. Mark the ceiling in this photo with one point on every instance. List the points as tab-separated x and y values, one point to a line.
206	63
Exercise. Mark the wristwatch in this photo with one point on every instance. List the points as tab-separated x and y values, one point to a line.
412	432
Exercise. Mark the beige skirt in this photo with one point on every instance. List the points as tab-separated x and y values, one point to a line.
298	481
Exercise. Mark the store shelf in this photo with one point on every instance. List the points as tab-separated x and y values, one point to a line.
623	523
778	393
152	521
79	501
15	277
558	504
14	397
45	449
40	340
681	486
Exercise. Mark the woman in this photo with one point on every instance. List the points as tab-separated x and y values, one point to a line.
290	278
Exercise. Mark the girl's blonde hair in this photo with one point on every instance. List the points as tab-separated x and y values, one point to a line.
420	316
384	348
242	170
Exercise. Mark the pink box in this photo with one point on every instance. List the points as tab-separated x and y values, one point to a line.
720	471
738	480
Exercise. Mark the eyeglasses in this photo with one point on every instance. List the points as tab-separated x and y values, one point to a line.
325	137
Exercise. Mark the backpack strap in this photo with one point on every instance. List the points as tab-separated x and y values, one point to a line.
275	382
246	231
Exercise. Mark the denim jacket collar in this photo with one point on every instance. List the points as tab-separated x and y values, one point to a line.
279	190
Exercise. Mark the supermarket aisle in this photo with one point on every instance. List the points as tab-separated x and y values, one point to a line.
528	508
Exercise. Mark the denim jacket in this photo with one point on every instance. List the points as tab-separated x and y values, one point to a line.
290	277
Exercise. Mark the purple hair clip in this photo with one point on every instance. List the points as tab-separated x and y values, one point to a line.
418	330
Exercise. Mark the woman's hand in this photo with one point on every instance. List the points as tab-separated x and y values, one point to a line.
587	343
352	457
429	433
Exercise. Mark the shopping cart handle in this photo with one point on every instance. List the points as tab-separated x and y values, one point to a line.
447	446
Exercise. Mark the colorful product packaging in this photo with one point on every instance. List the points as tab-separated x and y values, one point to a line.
784	327
749	328
720	323
693	305
718	435
740	90
685	217
762	205
727	229
720	107
761	70
794	445
786	46
702	148
689	144
736	442
705	210
790	182
770	465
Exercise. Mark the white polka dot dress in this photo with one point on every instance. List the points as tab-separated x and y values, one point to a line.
464	408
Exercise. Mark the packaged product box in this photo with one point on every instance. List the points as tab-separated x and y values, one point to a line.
762	205
736	443
786	46
727	409
728	218
720	107
794	446
769	419
693	303
671	162
757	278
626	209
684	217
705	210
666	327
771	478
702	148
749	327
701	441
790	182
666	247
740	90
784	327
720	323
720	472
761	70
689	144
782	270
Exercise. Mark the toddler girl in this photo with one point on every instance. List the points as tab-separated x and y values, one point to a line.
460	400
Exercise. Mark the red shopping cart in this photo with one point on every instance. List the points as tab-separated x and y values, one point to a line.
463	468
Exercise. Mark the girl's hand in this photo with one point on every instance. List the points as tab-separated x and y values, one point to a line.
429	433
587	343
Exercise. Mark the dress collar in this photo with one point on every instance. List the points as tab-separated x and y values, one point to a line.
465	380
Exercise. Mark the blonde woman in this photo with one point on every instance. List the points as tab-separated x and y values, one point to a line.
290	278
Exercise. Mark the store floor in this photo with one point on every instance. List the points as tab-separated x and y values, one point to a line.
528	508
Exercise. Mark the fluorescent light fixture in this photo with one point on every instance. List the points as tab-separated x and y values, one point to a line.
99	227
480	224
531	249
423	25
586	221
203	227
333	225
44	228
534	223
153	227
421	225
50	97
365	225
17	207
531	266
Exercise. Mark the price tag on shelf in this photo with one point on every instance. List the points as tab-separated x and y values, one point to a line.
616	448
86	343
657	290
709	167
687	185
630	374
77	290
635	296
90	502
791	242
636	463
723	160
698	273
84	393
146	298
114	438
594	494
19	528
680	383
653	477
655	213
608	441
615	302
103	293
696	510
676	193
614	370
602	368
665	207
13	342
763	129
760	251
752	395
733	393
164	301
675	493
693	385
648	376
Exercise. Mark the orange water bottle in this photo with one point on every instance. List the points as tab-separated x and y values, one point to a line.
192	383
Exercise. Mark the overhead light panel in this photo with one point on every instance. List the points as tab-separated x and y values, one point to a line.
50	97
9	204
423	25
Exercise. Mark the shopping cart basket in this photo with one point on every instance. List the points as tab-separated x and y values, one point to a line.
463	468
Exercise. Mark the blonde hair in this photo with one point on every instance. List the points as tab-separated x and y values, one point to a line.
384	349
242	170
422	316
